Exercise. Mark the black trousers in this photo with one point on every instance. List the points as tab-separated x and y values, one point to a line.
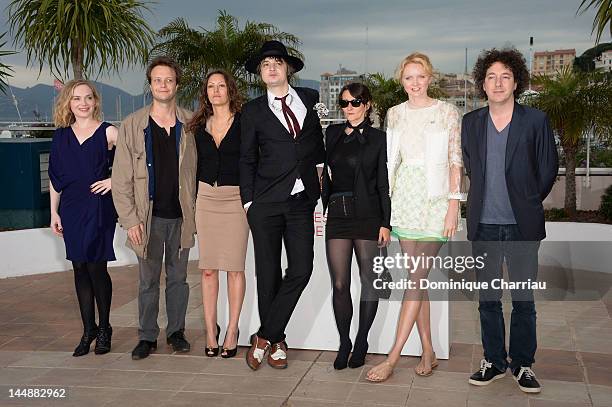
272	224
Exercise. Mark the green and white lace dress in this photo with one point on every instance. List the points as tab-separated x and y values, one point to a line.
425	168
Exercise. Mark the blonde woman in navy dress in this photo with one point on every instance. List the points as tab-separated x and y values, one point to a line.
82	210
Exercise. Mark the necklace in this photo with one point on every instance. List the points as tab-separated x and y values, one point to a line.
218	134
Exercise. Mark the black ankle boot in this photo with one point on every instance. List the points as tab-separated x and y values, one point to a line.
86	340
343	354
103	340
359	353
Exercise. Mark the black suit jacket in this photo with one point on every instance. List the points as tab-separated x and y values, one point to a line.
271	159
371	185
531	167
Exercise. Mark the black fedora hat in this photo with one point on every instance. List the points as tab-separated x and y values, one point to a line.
273	49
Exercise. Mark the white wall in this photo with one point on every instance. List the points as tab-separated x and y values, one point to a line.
577	246
312	326
38	251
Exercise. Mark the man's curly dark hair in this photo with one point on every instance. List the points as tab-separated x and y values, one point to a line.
510	57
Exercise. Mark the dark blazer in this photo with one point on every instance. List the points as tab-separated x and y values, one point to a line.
531	167
271	159
371	185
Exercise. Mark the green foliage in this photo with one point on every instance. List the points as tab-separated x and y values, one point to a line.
555	214
562	97
605	208
226	47
585	63
576	103
386	93
5	70
92	36
603	16
601	157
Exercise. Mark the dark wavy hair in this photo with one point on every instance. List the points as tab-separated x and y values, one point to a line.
359	91
205	110
511	58
290	68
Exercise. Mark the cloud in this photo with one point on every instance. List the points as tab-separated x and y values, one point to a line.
334	32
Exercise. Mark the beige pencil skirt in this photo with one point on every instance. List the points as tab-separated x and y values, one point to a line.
222	227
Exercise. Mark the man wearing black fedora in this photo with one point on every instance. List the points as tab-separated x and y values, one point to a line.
281	146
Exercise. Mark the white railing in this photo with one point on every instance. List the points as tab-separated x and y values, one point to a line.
26	127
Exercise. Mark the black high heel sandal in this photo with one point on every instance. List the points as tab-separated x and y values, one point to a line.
213	352
230	353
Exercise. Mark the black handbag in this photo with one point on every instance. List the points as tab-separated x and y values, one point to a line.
385	276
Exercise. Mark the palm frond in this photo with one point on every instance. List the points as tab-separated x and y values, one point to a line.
386	93
603	16
98	36
5	70
226	46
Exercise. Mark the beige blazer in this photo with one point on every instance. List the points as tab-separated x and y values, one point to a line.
130	178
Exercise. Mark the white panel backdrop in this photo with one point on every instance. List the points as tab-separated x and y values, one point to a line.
36	251
312	326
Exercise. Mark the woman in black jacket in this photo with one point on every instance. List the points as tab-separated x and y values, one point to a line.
355	192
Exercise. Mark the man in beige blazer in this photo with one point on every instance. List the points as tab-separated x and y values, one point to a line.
154	175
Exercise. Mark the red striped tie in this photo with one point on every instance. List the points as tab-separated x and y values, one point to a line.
292	121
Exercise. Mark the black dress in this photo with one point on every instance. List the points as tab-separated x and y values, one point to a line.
343	163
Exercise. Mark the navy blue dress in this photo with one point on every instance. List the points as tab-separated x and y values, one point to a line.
88	219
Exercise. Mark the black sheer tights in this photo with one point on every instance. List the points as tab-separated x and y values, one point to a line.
339	258
93	286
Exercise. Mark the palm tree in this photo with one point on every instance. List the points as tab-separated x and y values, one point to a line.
603	16
388	92
5	70
576	104
227	47
91	36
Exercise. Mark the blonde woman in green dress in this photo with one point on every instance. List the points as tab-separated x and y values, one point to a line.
425	171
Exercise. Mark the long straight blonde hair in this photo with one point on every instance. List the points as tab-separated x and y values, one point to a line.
62	115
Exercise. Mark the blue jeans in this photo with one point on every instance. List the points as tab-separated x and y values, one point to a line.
504	242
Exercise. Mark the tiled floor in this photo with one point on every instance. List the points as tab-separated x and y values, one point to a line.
40	325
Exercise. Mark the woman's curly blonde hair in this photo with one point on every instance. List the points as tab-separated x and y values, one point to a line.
62	115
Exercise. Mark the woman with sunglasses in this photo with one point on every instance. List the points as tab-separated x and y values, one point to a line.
425	169
355	192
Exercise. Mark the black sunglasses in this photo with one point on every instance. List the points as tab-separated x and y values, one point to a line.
355	103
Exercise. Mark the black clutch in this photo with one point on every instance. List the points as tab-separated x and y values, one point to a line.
386	278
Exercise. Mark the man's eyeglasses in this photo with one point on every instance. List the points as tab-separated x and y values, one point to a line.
355	103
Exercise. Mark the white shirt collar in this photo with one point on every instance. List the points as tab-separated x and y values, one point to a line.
276	104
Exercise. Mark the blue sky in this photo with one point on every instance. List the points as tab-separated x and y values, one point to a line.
334	32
